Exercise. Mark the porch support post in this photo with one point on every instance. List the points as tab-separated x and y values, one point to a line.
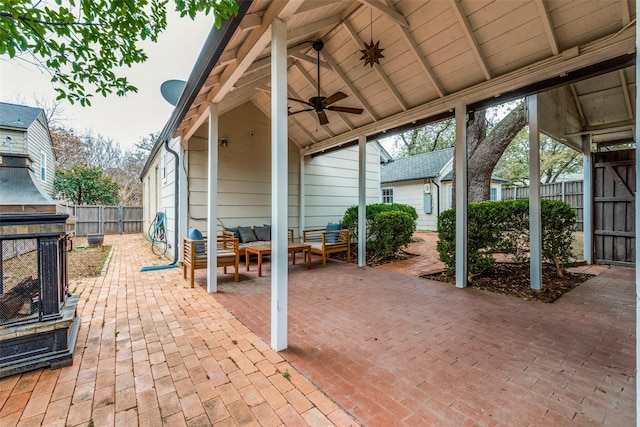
535	217
362	200
303	207
212	200
461	195
279	172
587	201
637	227
183	226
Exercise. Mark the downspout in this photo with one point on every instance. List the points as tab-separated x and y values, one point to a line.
176	202
438	196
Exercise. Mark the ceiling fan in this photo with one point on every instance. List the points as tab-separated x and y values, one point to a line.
320	103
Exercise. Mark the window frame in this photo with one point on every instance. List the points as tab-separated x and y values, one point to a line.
385	197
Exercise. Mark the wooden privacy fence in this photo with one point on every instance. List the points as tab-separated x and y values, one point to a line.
570	192
107	219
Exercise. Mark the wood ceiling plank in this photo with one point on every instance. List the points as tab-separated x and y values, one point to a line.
313	28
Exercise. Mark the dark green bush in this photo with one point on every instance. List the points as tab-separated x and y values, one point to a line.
504	226
389	231
389	227
350	219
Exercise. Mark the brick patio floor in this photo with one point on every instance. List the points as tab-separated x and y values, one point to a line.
389	348
153	352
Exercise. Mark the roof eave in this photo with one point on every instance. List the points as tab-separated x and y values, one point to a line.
214	46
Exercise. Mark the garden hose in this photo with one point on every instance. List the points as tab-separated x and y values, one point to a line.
157	235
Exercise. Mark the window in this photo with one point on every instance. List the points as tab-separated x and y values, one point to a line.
43	166
387	195
164	167
493	194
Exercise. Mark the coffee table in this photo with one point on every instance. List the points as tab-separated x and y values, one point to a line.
260	250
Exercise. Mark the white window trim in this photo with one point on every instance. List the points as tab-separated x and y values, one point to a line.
43	166
392	195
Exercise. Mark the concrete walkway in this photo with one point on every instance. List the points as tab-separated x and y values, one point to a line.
388	347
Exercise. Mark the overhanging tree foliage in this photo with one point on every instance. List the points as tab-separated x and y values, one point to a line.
84	185
84	43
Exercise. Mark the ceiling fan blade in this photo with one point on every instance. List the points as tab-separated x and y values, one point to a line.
334	98
290	113
322	116
298	100
346	110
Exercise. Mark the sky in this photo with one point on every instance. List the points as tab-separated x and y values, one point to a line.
123	119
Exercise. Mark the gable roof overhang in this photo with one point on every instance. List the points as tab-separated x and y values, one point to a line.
437	55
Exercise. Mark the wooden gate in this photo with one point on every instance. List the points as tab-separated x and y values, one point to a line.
614	188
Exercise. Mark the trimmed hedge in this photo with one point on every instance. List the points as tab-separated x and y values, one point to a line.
389	227
504	226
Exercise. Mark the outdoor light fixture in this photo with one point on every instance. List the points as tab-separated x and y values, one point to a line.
224	142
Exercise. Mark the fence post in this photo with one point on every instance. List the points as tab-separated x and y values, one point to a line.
563	190
121	210
100	212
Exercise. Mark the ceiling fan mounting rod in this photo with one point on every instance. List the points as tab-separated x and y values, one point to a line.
318	45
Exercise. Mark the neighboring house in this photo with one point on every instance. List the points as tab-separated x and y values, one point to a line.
24	130
424	181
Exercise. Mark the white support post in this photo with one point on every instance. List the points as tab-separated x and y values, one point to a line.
637	227
535	217
362	201
461	196
183	227
212	200
279	175
303	206
587	202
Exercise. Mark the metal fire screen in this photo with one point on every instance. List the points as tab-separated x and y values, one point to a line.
19	283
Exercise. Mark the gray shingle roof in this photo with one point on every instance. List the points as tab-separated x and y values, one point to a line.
17	116
420	166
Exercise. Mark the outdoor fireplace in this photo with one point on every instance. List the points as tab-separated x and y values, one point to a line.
38	322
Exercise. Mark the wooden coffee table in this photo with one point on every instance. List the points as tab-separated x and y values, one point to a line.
260	250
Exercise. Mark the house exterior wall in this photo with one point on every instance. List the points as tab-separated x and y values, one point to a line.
331	184
244	172
39	147
36	143
412	193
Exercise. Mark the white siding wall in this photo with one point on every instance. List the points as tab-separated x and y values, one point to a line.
331	184
39	141
244	174
412	193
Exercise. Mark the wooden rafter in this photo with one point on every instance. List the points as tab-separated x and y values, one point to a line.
250	21
377	67
468	31
548	28
625	92
310	59
350	85
626	13
313	28
387	11
576	100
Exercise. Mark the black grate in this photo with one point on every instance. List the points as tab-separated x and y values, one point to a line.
19	283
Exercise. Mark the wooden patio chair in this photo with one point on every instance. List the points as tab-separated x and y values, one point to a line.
195	255
325	242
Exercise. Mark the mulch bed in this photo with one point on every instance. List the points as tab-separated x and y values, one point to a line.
513	279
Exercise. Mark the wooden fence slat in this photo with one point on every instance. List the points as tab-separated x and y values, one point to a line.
107	219
572	194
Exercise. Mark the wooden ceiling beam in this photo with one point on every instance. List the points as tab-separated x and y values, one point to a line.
626	13
548	28
251	21
387	11
312	28
625	92
468	31
310	59
377	67
311	82
350	85
576	100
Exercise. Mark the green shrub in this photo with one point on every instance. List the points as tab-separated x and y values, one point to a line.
350	219
504	226
388	232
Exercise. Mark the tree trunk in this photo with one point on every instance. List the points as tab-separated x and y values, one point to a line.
484	150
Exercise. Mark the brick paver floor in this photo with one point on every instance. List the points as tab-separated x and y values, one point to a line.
388	347
151	351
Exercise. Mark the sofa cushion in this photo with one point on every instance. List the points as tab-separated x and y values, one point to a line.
263	233
247	235
332	238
